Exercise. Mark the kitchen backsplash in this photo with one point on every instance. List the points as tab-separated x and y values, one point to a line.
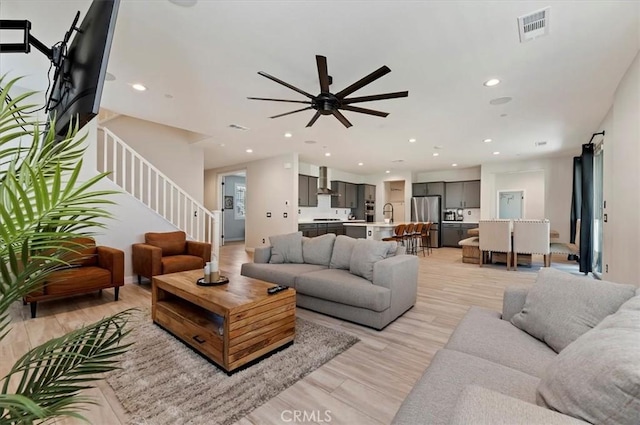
472	214
323	210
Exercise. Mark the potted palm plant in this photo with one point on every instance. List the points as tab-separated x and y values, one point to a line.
43	204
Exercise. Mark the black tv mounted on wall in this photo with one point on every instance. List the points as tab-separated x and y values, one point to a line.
80	67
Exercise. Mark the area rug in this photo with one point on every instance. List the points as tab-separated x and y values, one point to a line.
162	381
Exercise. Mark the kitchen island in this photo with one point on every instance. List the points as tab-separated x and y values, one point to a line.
375	231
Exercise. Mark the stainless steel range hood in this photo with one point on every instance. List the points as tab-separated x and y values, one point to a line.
323	188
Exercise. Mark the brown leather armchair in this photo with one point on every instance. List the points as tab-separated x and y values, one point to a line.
92	268
169	252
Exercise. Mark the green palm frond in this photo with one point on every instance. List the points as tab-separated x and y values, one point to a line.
44	205
53	374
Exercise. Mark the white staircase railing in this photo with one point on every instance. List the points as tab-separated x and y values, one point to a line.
135	175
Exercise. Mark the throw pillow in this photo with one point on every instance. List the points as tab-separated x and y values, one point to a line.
318	250
286	248
560	307
365	254
597	377
341	255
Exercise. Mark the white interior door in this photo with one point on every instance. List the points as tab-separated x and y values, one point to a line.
511	204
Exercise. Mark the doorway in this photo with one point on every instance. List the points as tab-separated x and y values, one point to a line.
511	204
233	196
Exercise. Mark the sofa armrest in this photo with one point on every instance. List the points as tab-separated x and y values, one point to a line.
480	406
513	301
199	249
112	259
262	254
399	274
146	260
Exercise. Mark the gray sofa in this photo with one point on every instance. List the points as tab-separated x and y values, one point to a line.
367	282
582	366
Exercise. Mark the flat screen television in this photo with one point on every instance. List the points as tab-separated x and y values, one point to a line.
80	75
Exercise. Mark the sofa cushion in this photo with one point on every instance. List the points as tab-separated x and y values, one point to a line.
433	399
77	279
367	252
318	250
171	243
480	406
483	333
180	263
560	307
342	287
286	248
342	250
86	253
597	377
281	274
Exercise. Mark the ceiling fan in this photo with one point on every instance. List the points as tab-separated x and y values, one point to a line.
327	103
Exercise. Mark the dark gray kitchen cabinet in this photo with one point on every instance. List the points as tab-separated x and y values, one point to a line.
307	191
428	189
471	194
347	194
462	194
450	234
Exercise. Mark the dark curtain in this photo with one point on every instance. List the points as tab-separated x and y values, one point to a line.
586	208
576	199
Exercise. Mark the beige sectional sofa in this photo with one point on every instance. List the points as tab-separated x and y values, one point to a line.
567	351
363	281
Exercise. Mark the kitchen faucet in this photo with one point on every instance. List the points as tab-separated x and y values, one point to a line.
384	210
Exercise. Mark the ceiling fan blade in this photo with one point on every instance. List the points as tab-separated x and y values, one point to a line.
363	110
323	73
314	119
375	97
272	78
289	113
383	70
280	100
341	118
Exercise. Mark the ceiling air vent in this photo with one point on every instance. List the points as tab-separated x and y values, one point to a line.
238	127
542	143
534	25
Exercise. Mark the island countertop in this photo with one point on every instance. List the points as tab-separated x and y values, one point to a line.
345	221
375	224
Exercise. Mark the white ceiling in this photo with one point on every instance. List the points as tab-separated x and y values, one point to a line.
207	57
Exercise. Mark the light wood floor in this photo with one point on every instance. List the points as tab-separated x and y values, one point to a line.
364	385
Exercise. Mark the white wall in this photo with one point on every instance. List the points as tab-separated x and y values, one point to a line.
532	183
621	233
167	148
381	197
272	186
452	175
556	202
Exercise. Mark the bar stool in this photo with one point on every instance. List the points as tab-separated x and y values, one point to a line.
417	237
398	234
426	237
408	237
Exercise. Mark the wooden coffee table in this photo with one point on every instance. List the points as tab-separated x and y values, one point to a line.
230	324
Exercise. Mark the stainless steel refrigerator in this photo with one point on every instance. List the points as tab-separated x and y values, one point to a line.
427	208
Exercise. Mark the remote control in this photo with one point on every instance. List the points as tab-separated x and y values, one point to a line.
276	289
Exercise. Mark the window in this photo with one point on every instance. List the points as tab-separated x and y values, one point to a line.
238	210
598	209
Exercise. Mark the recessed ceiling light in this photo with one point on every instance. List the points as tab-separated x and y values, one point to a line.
492	82
436	154
249	151
500	100
360	164
327	154
496	153
388	171
287	135
454	165
109	77
488	140
412	140
138	86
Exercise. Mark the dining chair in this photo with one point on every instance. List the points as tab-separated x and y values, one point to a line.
495	236
408	238
398	234
531	237
417	237
426	237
